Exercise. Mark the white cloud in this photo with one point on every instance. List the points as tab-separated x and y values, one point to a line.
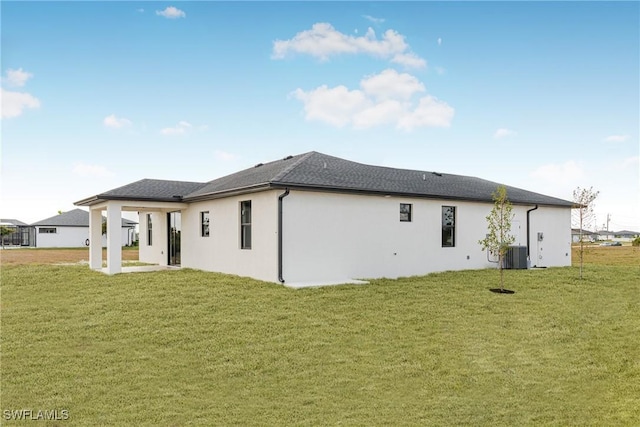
390	84
114	122
335	106
86	170
409	60
616	138
141	10
17	77
440	70
373	19
439	41
13	103
503	133
171	13
431	112
566	173
387	111
181	128
384	98
323	41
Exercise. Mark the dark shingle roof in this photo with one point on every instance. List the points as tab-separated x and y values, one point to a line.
75	218
15	222
322	172
155	189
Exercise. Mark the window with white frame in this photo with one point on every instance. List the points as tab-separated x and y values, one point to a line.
47	230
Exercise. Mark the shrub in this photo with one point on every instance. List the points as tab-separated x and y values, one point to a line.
636	241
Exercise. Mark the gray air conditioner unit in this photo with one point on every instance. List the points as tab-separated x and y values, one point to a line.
515	258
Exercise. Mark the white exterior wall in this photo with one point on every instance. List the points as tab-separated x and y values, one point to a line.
220	251
555	248
71	237
156	253
332	237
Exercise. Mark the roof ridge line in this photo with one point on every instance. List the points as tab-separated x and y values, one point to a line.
292	166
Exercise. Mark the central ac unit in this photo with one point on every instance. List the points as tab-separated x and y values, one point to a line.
515	258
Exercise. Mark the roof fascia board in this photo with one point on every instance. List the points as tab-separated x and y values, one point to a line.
229	193
319	188
136	204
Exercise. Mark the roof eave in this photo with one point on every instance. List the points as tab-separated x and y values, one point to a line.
228	193
103	198
403	194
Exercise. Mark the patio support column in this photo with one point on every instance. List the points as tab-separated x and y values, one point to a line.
114	238
95	239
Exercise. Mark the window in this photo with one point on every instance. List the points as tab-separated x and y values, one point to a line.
405	212
245	224
149	230
47	230
448	226
204	224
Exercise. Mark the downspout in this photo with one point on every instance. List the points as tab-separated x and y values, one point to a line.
280	197
528	236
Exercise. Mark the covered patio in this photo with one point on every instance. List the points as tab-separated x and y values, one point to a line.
114	209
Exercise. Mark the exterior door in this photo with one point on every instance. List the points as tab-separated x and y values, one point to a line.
174	220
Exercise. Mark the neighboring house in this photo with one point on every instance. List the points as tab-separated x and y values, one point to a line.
22	235
605	235
314	218
587	236
71	229
625	235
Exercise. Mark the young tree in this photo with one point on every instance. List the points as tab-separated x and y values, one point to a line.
5	231
499	236
583	215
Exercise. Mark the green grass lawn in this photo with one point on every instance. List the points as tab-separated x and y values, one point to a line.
177	348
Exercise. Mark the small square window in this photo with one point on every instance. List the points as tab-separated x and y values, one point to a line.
405	212
204	224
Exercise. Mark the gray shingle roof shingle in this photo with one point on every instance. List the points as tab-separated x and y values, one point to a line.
14	222
320	171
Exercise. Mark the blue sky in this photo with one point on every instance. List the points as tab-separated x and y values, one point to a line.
542	96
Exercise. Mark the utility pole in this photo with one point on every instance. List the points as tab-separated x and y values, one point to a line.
608	219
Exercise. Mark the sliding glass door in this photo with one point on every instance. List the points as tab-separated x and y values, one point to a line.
174	221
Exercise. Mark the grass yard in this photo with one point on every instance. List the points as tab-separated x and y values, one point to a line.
184	347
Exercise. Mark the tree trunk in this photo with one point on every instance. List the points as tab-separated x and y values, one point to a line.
500	259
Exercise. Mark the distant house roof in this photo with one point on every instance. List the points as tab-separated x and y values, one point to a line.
584	232
74	218
626	233
12	222
317	171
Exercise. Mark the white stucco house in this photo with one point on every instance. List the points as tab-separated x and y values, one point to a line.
71	230
314	218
